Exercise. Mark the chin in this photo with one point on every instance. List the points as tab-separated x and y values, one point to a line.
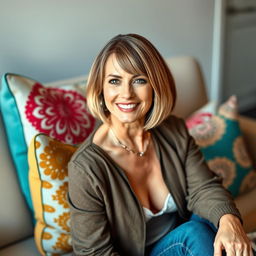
126	120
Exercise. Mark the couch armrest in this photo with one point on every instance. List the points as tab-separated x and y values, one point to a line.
247	209
244	202
248	127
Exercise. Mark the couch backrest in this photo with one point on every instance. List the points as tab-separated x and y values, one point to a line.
15	219
191	89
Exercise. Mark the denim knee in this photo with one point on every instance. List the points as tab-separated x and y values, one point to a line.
176	249
199	231
193	238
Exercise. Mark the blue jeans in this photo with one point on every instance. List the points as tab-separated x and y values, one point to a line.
192	238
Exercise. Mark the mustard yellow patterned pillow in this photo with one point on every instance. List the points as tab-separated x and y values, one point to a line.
48	180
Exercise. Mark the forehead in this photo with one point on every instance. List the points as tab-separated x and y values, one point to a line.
112	66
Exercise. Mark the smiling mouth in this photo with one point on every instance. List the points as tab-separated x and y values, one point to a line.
127	107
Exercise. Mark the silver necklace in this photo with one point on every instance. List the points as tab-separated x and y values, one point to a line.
139	153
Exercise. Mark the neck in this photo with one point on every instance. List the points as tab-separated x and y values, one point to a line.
131	135
128	131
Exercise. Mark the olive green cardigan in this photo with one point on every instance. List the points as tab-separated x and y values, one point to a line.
107	218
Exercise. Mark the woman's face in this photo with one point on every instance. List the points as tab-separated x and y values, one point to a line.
128	97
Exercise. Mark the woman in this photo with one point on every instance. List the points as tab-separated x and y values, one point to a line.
135	181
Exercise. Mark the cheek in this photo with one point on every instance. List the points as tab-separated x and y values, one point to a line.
109	95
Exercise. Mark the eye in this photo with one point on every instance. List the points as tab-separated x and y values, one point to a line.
114	81
140	81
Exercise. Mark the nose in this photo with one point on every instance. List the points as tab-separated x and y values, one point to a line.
127	90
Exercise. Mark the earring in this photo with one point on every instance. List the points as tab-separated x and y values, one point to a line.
102	103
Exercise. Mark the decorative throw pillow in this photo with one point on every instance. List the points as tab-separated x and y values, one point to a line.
28	107
48	159
221	142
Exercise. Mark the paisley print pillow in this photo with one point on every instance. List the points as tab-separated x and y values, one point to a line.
28	107
221	142
48	159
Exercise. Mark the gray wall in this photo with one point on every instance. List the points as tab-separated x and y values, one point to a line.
56	39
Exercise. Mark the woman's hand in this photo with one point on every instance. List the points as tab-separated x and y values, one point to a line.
231	237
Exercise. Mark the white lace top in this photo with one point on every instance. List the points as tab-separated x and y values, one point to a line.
169	206
160	223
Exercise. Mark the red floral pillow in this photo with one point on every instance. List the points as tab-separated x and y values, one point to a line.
59	113
29	107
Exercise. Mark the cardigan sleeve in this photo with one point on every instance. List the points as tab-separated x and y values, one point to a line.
89	225
205	194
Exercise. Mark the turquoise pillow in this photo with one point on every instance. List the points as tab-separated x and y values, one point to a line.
221	141
15	136
28	108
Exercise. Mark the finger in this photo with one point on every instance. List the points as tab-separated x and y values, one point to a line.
251	251
230	250
217	249
246	253
239	249
248	250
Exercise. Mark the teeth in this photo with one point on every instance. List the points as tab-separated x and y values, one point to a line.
127	106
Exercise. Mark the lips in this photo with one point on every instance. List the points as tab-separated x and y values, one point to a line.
127	107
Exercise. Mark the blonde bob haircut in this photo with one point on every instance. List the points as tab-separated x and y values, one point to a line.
135	55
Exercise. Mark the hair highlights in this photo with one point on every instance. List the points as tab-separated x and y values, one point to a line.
135	54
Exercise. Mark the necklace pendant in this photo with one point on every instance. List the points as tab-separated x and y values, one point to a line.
141	153
125	147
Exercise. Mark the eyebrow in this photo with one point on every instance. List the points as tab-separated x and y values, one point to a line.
117	76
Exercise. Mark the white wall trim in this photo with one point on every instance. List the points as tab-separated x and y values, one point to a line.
218	49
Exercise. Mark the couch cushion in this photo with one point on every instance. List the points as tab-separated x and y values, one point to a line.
26	247
29	107
48	159
15	218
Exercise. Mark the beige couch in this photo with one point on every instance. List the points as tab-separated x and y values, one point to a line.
16	229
